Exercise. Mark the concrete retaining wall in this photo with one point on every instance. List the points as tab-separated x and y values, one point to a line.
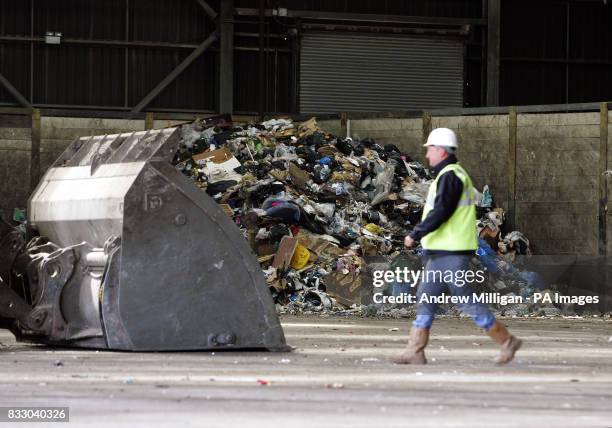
557	181
56	133
15	148
551	191
407	134
609	185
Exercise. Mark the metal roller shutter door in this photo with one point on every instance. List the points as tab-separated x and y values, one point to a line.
368	73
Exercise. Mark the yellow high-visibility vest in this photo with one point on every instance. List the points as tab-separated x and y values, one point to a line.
458	233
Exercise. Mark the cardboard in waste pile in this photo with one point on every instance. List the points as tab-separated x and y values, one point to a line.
265	259
265	250
217	156
349	289
318	246
327	150
299	177
279	175
324	252
219	171
284	133
283	256
308	128
344	176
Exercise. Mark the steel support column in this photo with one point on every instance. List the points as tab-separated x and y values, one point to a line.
226	57
35	150
295	65
126	54
493	48
511	214
262	11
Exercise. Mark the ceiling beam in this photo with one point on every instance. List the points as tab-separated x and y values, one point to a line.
364	17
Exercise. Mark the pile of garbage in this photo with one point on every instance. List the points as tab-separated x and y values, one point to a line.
314	206
310	204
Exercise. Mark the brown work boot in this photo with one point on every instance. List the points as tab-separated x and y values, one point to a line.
415	351
509	344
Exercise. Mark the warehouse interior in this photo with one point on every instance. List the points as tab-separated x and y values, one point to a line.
197	198
112	55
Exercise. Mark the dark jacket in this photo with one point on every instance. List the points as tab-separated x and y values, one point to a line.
448	193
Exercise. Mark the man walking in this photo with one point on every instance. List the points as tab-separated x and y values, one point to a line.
447	233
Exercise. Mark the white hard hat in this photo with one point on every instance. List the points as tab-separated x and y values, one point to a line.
442	137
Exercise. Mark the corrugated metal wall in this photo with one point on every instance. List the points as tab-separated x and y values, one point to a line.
555	52
365	72
15	58
278	81
94	75
82	74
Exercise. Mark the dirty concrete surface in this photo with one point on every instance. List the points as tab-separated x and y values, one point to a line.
337	376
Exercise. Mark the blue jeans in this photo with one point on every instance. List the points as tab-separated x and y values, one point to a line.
433	284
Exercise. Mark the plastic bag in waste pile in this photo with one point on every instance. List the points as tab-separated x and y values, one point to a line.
312	205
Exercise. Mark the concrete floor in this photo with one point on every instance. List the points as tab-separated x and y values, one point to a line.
337	376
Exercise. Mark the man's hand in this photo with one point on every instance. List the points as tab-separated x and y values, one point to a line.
408	241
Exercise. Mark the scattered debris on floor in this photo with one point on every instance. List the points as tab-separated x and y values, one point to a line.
334	385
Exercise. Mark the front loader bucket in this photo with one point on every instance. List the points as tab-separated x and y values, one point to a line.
138	257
